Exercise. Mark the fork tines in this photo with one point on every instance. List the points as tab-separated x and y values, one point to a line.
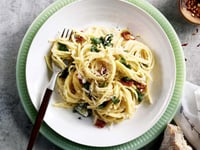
66	34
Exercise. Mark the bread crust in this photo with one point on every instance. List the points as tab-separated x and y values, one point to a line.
174	139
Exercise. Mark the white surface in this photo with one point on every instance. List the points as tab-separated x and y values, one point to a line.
78	15
187	116
197	99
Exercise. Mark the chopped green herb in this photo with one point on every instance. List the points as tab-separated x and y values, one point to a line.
126	51
82	109
86	85
123	61
126	79
103	84
94	49
62	47
102	105
128	66
115	100
145	65
105	41
140	96
96	41
64	73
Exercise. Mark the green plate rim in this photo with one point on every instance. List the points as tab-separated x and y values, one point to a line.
137	143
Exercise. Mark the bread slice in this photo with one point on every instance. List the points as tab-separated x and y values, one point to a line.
174	139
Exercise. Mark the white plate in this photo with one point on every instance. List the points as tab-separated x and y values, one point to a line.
111	13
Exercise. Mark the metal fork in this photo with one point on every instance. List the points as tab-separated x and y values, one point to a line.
48	92
66	34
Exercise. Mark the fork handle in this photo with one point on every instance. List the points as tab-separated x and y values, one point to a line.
39	118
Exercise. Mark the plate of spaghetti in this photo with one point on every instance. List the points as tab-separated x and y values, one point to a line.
105	73
121	74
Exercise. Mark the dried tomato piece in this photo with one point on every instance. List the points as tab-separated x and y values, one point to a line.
79	39
141	87
100	123
127	35
126	83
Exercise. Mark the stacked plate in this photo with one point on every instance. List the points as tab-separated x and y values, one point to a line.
61	126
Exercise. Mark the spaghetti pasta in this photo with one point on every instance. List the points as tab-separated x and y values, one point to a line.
106	73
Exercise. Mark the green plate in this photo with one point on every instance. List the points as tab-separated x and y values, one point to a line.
134	144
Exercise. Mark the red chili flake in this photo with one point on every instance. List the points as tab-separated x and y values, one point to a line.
79	39
140	86
127	83
100	123
184	44
193	33
193	7
198	45
196	31
127	35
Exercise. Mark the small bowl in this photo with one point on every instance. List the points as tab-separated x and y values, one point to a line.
187	14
